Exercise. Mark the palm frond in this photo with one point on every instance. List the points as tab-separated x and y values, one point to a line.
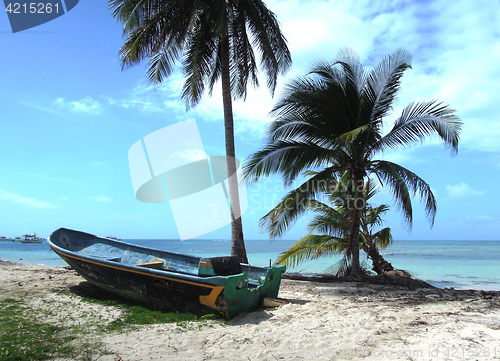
403	183
351	65
420	120
268	38
370	189
354	134
289	158
383	238
162	63
297	202
216	69
335	222
384	82
200	52
373	215
312	101
309	247
244	65
340	268
150	27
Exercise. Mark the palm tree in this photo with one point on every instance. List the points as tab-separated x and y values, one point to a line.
216	40
333	224
371	242
332	120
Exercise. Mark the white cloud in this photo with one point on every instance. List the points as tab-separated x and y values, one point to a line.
191	155
45	177
86	105
400	156
142	105
462	190
101	199
148	99
454	61
479	218
27	201
317	29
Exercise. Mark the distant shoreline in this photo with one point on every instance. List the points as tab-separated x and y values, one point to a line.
466	265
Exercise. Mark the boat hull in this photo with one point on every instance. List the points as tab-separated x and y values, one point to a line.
184	290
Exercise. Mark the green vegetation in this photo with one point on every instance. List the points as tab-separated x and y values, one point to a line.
216	42
21	338
333	225
332	121
50	327
135	315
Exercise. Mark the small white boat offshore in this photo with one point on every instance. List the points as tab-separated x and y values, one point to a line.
30	238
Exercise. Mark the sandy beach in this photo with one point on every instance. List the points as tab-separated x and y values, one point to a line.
321	321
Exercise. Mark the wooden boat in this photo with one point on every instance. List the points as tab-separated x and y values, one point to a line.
179	282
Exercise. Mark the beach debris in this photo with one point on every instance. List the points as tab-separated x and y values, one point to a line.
273	302
118	358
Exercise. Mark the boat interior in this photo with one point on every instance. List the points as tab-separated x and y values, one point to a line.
123	253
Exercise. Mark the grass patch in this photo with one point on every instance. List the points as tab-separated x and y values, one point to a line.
133	313
22	339
139	315
36	331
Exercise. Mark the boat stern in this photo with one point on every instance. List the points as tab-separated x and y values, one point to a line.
244	294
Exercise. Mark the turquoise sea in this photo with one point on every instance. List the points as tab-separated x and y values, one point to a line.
458	264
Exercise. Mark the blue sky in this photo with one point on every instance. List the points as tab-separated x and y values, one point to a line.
69	115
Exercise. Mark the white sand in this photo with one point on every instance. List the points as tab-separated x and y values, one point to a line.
321	321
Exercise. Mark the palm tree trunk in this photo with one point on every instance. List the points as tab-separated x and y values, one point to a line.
380	265
354	237
237	242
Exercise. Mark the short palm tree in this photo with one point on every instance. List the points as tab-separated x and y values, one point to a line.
332	120
331	222
216	41
371	241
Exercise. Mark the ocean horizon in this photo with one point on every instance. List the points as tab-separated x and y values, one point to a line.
457	264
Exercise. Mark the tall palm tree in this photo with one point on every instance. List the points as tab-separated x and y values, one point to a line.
216	40
332	120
